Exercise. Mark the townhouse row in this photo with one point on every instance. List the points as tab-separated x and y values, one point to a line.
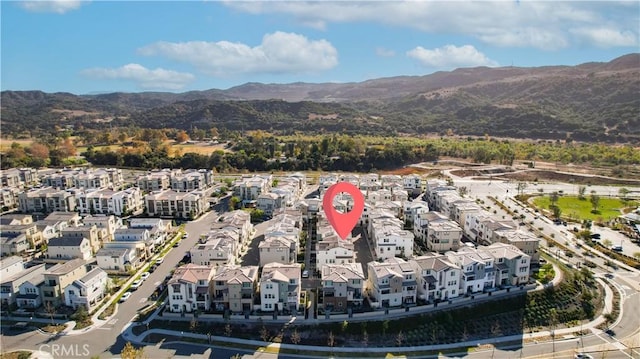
391	282
73	283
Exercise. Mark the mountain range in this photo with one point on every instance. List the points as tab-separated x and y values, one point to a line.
589	102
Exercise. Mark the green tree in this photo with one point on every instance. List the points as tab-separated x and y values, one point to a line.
581	192
595	202
257	215
234	203
554	198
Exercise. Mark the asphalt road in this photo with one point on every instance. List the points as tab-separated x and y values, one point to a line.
107	341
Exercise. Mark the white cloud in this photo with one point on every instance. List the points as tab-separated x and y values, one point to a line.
144	78
279	52
539	24
383	52
607	37
450	56
55	6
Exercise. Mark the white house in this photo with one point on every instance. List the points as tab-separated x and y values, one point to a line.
29	293
117	259
87	291
69	248
280	287
334	250
438	279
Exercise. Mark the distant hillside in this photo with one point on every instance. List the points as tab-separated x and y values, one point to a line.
591	101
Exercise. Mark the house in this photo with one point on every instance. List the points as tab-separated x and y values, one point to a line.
50	229
342	286
69	248
169	203
29	296
219	248
15	219
10	285
158	229
88	291
189	288
278	249
138	238
390	240
512	265
46	200
10	266
13	244
118	260
412	184
72	219
280	287
421	224
270	203
249	188
443	235
58	277
108	223
334	250
525	241
30	231
477	269
392	283
281	242
89	232
438	279
238	219
234	287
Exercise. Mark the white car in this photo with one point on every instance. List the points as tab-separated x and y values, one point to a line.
135	285
159	260
145	275
125	296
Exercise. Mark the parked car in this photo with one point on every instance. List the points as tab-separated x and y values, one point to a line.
145	275
135	285
305	274
124	297
159	260
583	356
185	235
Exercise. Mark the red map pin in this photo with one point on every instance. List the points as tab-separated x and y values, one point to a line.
343	223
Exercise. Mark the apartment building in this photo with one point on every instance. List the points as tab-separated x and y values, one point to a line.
170	203
391	241
155	181
106	201
107	223
334	250
249	188
191	180
9	198
46	200
525	241
444	235
219	248
477	269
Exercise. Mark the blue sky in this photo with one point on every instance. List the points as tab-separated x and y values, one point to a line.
98	46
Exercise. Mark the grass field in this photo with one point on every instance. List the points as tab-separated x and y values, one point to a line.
576	208
5	144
